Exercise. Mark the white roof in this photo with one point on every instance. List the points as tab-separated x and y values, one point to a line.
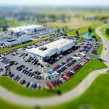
23	28
52	47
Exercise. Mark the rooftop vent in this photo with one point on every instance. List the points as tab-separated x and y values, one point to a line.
43	48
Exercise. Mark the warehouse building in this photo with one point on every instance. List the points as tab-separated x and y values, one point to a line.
29	29
43	53
16	41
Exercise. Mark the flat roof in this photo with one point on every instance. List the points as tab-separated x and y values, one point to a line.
22	28
55	45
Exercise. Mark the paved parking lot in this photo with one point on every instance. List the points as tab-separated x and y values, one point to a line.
78	55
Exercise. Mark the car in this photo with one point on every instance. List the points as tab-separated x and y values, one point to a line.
107	71
27	84
33	85
4	74
1	69
47	65
48	86
14	77
11	75
80	50
65	78
22	81
16	63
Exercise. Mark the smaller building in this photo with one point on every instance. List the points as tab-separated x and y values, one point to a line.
17	41
43	53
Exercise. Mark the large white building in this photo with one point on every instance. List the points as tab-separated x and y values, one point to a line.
29	29
56	47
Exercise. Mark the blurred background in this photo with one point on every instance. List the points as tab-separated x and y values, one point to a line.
70	14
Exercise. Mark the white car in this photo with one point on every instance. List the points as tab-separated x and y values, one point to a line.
76	58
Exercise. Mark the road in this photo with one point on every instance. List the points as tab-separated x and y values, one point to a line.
105	53
72	94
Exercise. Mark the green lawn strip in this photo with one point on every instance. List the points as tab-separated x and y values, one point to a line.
13	86
103	31
13	23
95	97
19	89
23	45
81	39
101	45
100	49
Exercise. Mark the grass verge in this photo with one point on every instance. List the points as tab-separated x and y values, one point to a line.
11	85
96	96
103	31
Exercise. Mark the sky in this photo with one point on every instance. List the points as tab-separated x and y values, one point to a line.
56	2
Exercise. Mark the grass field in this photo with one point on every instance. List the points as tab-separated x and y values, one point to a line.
6	105
75	23
83	30
93	64
103	31
96	97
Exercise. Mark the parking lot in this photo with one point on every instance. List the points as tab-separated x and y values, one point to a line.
57	70
7	37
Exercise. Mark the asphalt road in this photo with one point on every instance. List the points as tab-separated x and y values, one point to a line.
28	101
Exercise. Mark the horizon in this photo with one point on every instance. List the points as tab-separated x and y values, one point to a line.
83	3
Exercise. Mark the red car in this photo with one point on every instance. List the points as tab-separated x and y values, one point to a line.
65	78
49	86
80	50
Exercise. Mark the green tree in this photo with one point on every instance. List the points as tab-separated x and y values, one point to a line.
90	29
78	32
93	36
107	31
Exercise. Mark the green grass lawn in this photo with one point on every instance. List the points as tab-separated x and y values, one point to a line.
103	31
6	105
11	85
100	49
83	30
95	97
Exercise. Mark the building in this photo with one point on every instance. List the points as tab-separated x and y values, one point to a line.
17	41
29	29
56	47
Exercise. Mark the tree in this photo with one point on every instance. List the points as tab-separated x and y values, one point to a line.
58	30
107	31
78	32
90	29
59	92
5	29
93	36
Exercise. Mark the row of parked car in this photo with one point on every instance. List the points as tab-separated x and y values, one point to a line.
67	75
29	72
95	50
87	47
58	69
22	81
8	61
